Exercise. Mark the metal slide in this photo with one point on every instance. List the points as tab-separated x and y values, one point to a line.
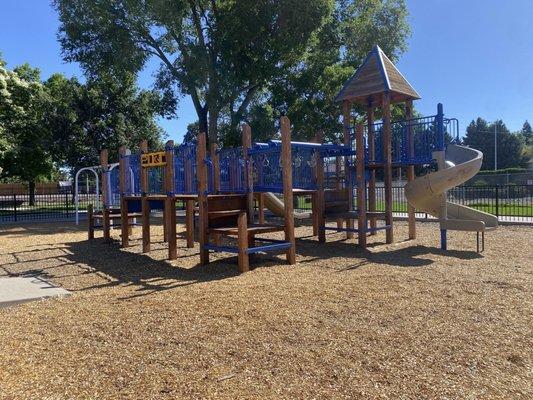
427	193
276	206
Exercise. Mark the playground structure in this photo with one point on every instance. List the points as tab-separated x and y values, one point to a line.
220	186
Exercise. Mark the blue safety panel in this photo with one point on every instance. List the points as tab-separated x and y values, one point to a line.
267	166
233	170
156	204
134	205
132	164
185	178
427	135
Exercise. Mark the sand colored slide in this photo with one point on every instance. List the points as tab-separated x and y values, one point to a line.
274	204
427	192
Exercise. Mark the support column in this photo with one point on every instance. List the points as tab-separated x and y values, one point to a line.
372	156
319	198
361	186
246	145
104	163
124	220
213	150
145	204
346	117
287	188
410	168
201	169
387	161
170	201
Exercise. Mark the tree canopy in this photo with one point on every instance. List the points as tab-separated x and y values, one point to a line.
245	60
63	124
480	136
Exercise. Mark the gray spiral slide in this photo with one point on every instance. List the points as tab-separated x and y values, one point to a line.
428	193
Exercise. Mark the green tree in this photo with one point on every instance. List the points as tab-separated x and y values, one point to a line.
527	134
24	140
305	91
222	53
480	136
104	113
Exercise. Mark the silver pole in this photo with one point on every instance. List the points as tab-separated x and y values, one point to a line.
495	149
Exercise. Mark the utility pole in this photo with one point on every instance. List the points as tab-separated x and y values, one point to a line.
495	148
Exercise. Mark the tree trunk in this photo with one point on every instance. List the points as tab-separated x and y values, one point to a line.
213	128
31	189
202	120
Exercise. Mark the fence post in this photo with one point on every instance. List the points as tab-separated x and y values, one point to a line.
15	206
497	202
66	203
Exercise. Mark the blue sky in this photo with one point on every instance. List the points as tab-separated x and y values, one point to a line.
475	56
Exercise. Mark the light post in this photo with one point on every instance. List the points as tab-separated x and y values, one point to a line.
495	148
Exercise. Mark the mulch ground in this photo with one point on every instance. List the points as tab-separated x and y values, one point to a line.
402	321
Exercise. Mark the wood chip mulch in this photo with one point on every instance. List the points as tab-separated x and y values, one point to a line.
402	321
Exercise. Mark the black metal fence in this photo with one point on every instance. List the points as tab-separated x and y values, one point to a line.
508	202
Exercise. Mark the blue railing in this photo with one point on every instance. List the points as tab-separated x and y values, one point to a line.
233	170
267	167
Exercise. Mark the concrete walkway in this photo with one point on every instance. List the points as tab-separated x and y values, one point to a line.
15	291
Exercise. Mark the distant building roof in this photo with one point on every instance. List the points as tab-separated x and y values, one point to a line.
376	76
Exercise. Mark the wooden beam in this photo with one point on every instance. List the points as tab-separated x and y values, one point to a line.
242	243
246	145
213	150
145	204
170	202
287	188
372	156
319	198
201	170
90	221
346	118
314	210
104	164
124	220
361	185
387	160
411	168
261	207
189	223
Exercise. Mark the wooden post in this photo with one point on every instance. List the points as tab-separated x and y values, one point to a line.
338	185
124	220
189	223
411	168
314	210
361	186
387	160
242	243
319	198
287	188
346	109
104	163
201	170
145	204
261	206
90	221
372	156
216	166
170	202
246	145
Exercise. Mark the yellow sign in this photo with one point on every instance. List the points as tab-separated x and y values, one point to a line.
153	159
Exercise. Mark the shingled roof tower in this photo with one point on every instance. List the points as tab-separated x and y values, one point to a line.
375	77
378	83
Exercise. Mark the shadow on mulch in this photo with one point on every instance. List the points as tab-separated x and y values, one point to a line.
141	270
411	256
